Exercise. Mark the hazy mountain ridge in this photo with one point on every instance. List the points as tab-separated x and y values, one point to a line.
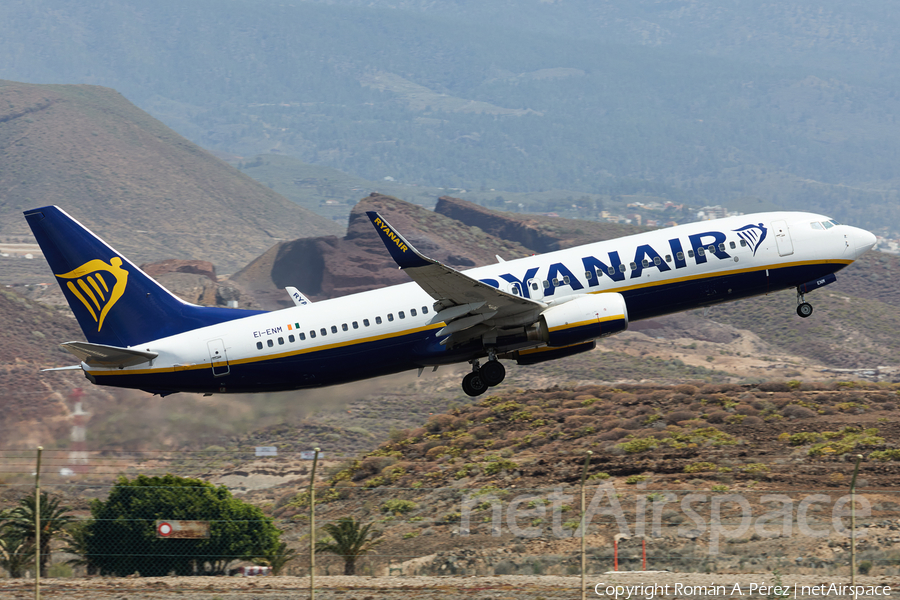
149	192
785	103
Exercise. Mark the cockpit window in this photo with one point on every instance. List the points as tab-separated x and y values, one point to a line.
833	222
816	225
828	224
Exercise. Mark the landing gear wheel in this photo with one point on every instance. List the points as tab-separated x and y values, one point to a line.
805	309
473	384
493	372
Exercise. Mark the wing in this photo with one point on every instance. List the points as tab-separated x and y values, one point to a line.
470	308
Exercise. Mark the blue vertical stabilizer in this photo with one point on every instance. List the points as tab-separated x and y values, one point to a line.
115	302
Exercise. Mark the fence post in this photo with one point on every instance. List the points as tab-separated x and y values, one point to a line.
853	521
312	526
587	459
37	526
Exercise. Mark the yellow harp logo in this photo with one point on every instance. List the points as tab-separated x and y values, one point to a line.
98	285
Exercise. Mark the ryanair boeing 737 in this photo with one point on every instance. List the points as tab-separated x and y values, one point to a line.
139	335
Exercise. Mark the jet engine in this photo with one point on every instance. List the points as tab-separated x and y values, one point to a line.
584	318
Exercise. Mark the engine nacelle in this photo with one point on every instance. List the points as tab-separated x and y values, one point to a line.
585	318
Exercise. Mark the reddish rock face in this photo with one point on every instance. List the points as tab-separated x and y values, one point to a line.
172	265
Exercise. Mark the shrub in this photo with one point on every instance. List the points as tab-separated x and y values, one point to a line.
616	433
639	445
717	416
436	452
680	415
634	479
803	438
795	411
699	467
398	507
885	455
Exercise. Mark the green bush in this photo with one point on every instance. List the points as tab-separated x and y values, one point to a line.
398	507
122	538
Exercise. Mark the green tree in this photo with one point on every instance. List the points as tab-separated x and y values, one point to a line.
20	523
15	554
349	539
122	538
277	558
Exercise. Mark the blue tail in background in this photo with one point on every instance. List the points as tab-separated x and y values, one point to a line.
116	303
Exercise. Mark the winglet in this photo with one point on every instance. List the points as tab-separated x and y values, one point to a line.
401	251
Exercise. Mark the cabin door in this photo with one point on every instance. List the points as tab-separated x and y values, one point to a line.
783	238
217	358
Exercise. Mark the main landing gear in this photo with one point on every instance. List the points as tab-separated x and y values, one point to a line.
483	377
804	308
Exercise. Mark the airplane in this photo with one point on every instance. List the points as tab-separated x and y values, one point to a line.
530	310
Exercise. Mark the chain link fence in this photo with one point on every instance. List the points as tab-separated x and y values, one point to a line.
158	514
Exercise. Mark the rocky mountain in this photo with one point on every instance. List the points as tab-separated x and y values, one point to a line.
136	183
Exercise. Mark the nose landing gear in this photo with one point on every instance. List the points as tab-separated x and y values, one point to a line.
482	377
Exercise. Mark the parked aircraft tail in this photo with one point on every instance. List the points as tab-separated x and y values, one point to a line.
116	303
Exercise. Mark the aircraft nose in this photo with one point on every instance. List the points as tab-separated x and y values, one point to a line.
861	241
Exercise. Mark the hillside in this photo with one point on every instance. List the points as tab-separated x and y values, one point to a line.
432	491
331	267
146	190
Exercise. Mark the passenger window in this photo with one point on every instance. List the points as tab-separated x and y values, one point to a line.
712	249
378	320
621	268
690	254
334	329
743	243
281	341
270	343
514	291
668	258
259	345
555	282
344	327
701	252
390	316
732	245
323	332
722	247
365	322
412	312
645	263
566	279
401	314
611	271
424	310
632	266
312	334
588	275
546	284
657	260
355	325
534	285
680	256
291	338
302	336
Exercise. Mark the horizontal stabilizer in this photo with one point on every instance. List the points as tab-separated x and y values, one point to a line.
69	368
107	356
